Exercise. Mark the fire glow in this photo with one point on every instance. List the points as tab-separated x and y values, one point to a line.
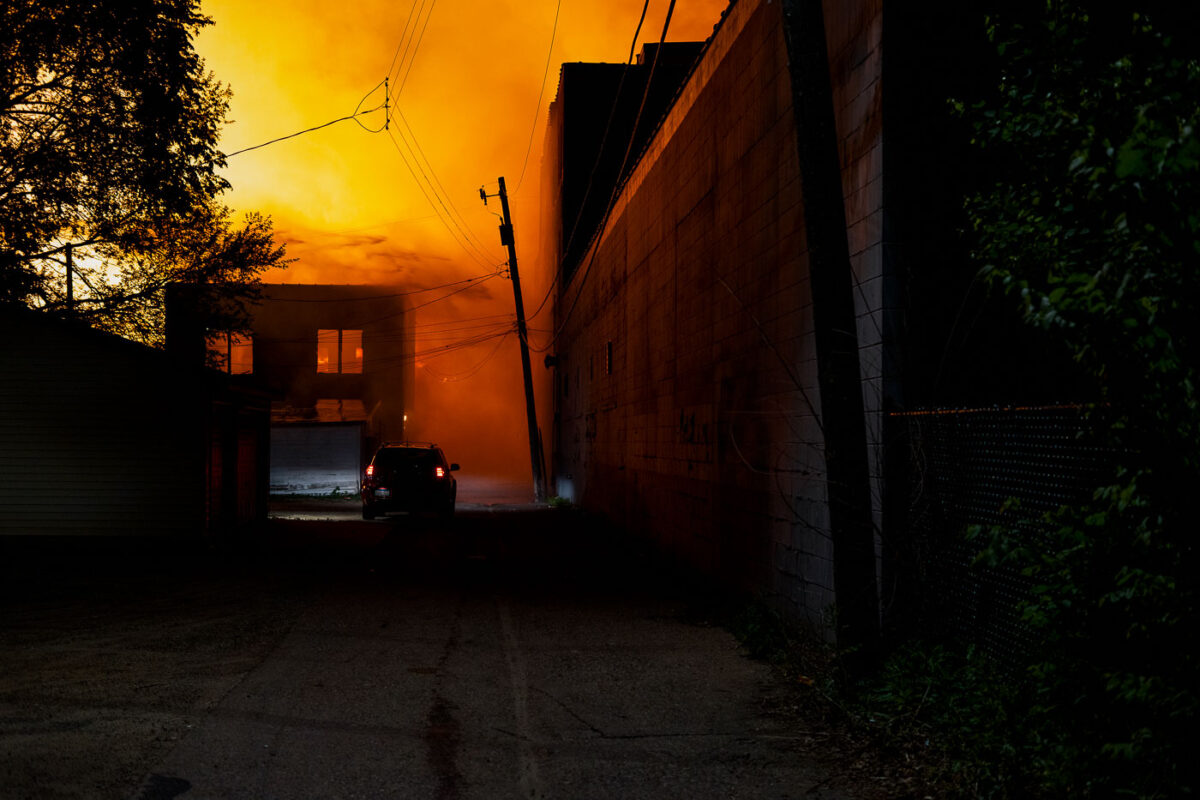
352	208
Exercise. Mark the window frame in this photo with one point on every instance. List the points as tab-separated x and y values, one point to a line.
337	342
223	344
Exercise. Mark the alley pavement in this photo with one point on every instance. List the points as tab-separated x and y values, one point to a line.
514	652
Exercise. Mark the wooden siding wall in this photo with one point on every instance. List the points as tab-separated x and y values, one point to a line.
99	436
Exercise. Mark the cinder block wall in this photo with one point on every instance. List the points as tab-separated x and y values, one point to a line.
687	398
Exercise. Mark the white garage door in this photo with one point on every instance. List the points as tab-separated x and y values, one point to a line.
316	459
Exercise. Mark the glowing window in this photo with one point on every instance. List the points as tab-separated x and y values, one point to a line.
231	353
327	350
339	351
352	351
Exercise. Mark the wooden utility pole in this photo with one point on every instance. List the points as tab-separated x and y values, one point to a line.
535	440
835	331
70	284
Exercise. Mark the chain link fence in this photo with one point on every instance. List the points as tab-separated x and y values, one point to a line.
985	467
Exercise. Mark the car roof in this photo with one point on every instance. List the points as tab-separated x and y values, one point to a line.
410	445
410	450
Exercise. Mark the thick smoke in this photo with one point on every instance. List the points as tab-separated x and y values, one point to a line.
361	203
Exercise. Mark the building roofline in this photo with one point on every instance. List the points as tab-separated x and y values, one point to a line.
622	182
211	377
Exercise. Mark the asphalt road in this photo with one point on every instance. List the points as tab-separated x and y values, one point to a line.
515	652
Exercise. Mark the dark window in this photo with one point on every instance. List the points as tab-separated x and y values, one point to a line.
393	457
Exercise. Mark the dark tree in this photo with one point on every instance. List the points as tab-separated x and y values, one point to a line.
1094	230
109	157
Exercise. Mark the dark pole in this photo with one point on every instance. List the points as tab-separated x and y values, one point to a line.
535	442
70	285
835	332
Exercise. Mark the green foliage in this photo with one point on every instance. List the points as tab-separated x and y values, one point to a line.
950	711
1108	699
108	159
1094	227
931	715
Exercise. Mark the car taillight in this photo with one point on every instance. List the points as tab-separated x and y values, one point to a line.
439	472
370	470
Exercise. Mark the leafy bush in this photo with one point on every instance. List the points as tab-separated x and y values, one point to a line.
1095	230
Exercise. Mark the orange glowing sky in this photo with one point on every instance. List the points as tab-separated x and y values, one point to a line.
342	198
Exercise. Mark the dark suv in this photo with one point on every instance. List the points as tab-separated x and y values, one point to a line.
410	477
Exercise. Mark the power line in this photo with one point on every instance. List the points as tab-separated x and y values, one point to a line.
410	43
612	112
469	283
456	291
612	196
406	52
400	360
447	219
442	350
443	333
538	107
413	59
474	370
436	186
466	333
356	113
400	43
417	152
429	200
472	279
363	324
497	317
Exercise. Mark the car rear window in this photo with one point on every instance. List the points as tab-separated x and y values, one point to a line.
399	456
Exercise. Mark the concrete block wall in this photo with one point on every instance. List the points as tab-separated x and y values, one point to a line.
688	401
